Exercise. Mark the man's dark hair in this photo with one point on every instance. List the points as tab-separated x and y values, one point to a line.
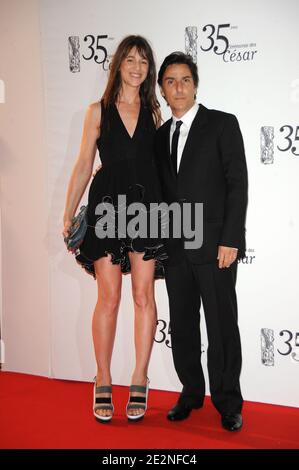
179	58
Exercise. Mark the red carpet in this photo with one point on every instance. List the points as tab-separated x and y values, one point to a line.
36	412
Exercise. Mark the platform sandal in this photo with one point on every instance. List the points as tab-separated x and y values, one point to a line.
102	403
137	402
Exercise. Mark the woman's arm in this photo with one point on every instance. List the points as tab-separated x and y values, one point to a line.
82	170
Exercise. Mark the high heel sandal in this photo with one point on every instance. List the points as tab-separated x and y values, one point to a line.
102	403
138	402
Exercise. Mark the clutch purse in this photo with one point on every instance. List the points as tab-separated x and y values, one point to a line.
77	230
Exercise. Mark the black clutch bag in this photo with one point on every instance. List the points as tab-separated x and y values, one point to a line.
77	230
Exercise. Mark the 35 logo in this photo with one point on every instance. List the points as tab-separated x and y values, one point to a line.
95	50
93	46
289	341
214	40
163	334
214	37
289	136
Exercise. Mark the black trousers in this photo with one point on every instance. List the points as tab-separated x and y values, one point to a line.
188	286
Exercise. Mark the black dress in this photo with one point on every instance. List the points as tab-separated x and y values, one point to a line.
127	169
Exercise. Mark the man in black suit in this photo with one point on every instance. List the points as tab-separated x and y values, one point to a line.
200	158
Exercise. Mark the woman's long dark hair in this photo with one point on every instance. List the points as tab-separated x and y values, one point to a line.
147	89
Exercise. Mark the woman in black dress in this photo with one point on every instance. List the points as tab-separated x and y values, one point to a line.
122	127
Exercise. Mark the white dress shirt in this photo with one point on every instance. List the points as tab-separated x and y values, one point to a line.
187	120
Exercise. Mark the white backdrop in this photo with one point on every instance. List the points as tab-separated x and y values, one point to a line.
257	79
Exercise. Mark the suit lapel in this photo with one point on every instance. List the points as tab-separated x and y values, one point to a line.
197	126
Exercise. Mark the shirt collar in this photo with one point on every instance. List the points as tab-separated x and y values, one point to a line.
188	117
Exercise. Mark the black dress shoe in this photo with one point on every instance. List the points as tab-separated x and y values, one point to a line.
179	412
231	421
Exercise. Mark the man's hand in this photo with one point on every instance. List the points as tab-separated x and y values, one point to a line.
226	256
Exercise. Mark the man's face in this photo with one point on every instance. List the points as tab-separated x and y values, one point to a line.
178	88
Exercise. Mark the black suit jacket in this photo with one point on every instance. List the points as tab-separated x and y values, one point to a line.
212	171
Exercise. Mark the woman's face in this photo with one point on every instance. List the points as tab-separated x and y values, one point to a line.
134	68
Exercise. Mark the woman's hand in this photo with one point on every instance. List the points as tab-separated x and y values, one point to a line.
66	228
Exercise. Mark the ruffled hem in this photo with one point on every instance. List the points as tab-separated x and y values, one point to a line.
156	252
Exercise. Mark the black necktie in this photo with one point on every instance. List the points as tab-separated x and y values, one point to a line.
174	146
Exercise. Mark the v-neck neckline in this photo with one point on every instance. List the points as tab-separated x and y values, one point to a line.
137	123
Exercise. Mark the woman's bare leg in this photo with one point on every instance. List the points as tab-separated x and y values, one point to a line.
142	274
104	320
